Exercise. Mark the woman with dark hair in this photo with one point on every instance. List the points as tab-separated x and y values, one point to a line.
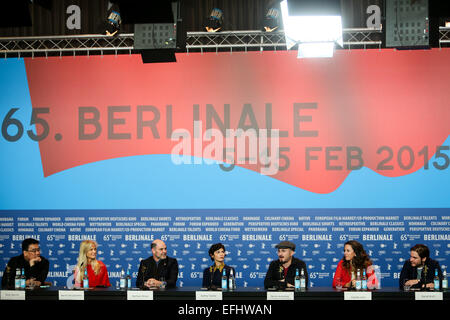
212	276
355	258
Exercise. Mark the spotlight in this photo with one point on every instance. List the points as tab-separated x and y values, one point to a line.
113	21
314	25
214	21
271	20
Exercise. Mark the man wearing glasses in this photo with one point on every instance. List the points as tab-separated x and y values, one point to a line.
35	266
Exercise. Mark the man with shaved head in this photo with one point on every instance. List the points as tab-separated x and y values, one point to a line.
159	270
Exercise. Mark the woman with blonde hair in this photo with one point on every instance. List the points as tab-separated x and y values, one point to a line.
87	261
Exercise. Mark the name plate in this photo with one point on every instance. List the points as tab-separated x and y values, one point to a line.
12	295
208	295
139	295
429	295
280	295
70	295
356	296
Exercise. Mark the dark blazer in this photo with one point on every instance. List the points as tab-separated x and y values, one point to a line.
214	278
38	271
410	273
275	273
167	267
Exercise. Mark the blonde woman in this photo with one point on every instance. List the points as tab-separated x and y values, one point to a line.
96	270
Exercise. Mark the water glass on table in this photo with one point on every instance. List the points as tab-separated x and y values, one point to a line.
338	283
406	285
163	282
32	283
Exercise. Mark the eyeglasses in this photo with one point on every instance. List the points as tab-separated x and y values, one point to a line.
35	250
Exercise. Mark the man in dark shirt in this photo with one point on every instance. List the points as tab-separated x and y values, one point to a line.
419	270
281	273
158	270
35	266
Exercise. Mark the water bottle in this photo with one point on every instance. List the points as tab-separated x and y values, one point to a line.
297	281
17	279
224	280
128	280
436	280
364	280
302	280
444	280
123	280
358	280
23	280
231	281
85	279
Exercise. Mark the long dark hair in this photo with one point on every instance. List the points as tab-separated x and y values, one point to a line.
361	259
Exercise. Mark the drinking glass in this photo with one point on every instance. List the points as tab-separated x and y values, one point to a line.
338	283
163	282
32	283
406	287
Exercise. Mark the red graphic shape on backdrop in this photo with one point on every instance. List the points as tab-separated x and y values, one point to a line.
367	99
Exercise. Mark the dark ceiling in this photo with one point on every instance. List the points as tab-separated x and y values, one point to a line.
238	15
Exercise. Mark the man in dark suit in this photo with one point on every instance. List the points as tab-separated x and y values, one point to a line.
33	264
281	273
419	271
159	270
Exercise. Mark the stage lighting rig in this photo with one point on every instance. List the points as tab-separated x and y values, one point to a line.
271	19
314	25
113	21
214	21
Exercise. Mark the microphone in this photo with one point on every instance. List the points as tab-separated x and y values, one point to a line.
164	266
281	285
424	277
281	272
211	276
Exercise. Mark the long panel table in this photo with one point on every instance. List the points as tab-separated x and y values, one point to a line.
253	293
242	303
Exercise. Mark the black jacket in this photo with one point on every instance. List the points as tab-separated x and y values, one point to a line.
214	278
38	271
410	273
167	268
275	273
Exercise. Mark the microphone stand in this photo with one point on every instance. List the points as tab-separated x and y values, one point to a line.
211	286
424	276
281	285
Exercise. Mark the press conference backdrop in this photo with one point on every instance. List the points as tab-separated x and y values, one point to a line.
110	149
